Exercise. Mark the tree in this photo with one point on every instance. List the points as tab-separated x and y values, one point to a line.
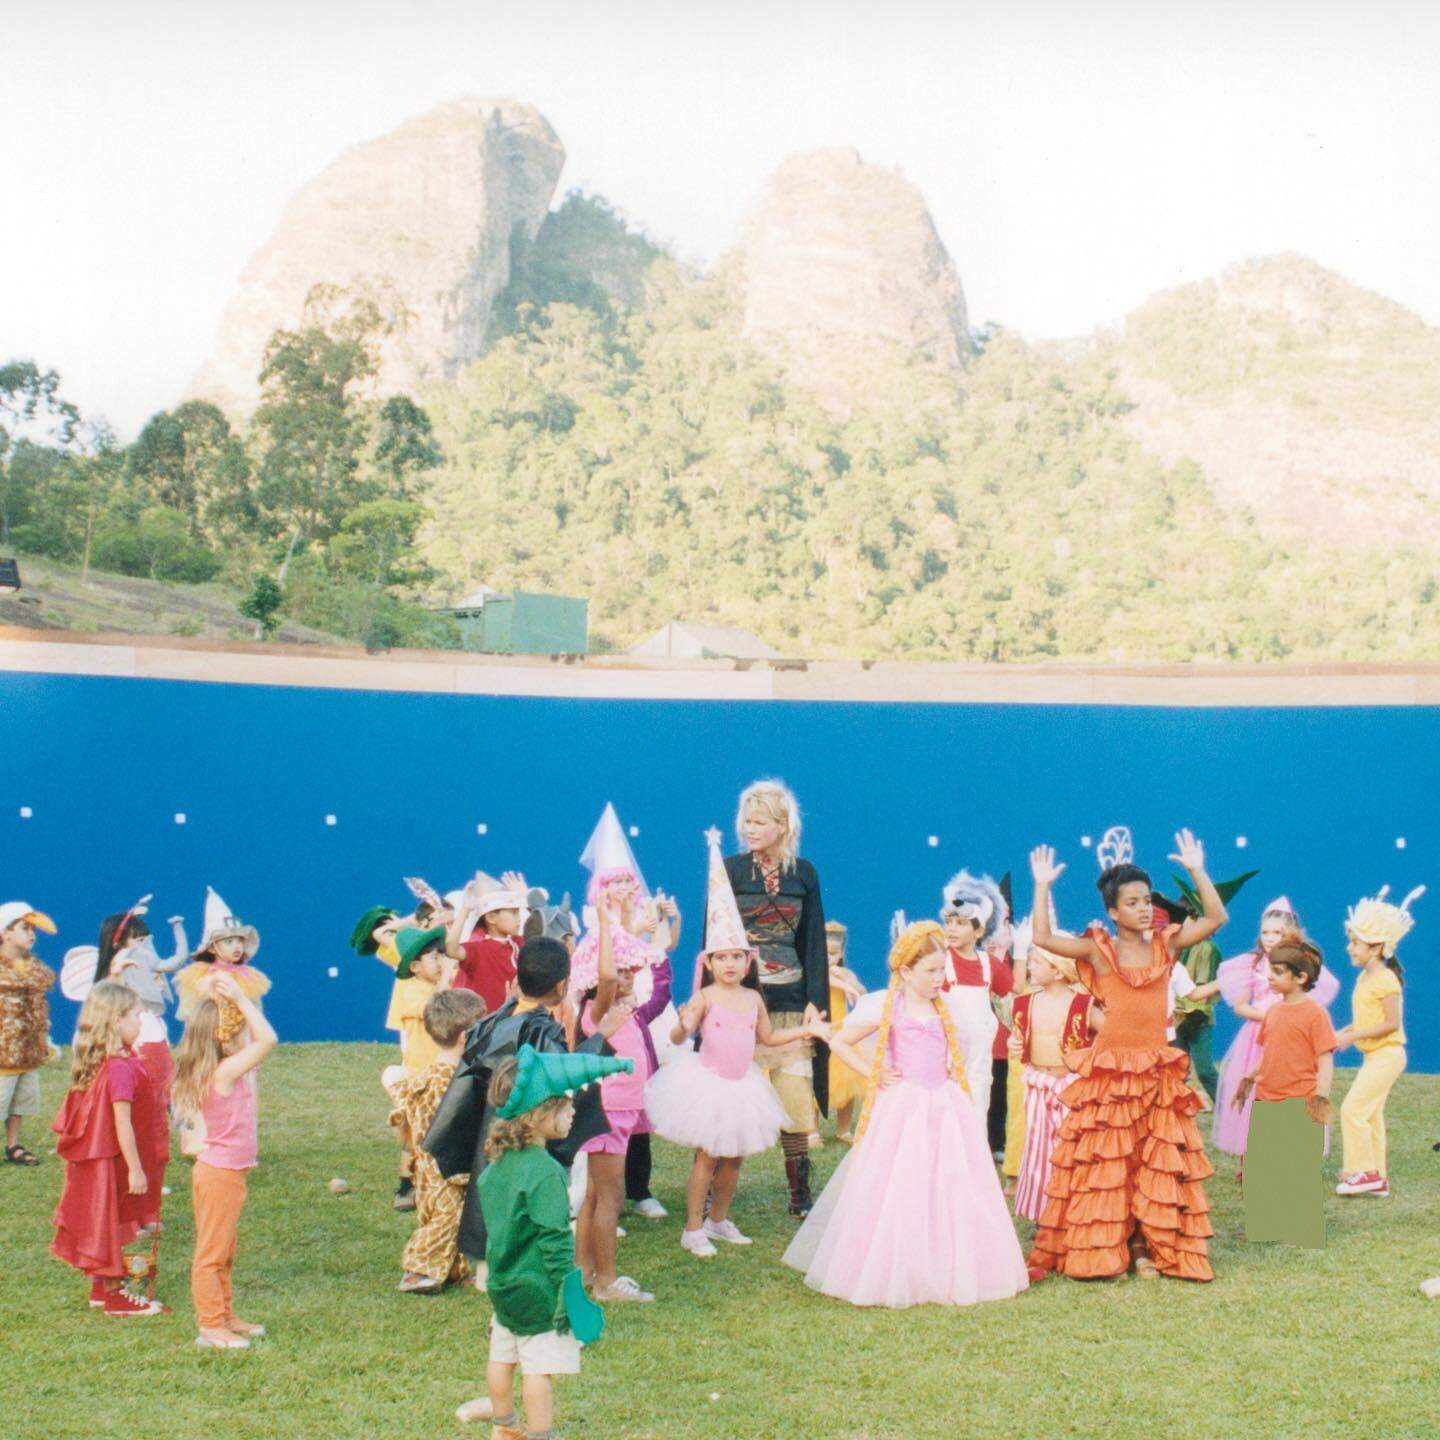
311	425
405	446
263	605
32	411
192	462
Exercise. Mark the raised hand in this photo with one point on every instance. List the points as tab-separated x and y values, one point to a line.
1189	852
691	1013
1043	867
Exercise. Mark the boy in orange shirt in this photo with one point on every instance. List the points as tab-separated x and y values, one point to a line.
1284	1195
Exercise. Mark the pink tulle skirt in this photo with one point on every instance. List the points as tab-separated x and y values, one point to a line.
689	1104
914	1214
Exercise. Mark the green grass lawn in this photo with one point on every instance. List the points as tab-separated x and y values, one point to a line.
1285	1343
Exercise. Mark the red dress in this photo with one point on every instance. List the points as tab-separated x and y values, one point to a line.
97	1216
1130	1162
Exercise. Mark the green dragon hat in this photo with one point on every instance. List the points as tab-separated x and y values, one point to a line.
1227	890
555	1073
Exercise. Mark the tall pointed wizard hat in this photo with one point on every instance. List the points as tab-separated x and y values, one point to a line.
222	924
608	853
724	929
541	1077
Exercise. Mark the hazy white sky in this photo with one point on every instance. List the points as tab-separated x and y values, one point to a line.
1077	157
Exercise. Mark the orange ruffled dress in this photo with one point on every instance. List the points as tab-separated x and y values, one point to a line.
1129	1157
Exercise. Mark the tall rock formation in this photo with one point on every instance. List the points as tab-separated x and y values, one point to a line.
421	221
837	255
1309	402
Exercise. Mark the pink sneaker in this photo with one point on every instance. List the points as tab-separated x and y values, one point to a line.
697	1242
726	1230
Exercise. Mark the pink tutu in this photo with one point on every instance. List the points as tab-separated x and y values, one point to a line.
691	1105
914	1214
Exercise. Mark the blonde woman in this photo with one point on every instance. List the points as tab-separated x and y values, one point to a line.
914	1214
779	898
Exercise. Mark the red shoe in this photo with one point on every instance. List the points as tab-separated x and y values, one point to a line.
98	1292
1369	1182
1036	1273
121	1304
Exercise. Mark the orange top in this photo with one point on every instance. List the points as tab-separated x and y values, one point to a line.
1293	1038
1135	1001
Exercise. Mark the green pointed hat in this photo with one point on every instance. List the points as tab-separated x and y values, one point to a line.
546	1077
1226	889
411	944
362	937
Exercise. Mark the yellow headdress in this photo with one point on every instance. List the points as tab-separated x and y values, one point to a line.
910	945
1378	922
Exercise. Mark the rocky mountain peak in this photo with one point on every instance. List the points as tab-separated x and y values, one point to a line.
420	218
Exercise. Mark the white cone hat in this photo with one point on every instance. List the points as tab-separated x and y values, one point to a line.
221	924
724	930
608	849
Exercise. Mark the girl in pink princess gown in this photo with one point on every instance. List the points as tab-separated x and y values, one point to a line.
1245	987
914	1214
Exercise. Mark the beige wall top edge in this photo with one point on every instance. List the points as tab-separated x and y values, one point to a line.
631	677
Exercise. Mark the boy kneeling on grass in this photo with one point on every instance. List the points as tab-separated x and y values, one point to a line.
542	1313
432	1257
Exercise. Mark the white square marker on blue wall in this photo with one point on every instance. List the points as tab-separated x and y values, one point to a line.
333	972
329	819
482	829
932	841
26	812
179	817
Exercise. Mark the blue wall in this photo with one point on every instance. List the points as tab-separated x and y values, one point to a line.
104	764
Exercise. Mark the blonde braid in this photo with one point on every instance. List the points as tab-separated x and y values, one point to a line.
957	1060
877	1065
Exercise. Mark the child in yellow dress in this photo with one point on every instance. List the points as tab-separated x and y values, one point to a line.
846	1087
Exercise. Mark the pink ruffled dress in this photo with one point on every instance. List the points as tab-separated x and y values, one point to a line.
1245	980
914	1214
715	1099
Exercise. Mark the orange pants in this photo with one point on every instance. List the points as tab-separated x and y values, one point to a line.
219	1197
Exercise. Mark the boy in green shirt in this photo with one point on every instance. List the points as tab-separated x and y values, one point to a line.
542	1314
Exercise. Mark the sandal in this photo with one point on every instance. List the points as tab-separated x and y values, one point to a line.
19	1155
1146	1268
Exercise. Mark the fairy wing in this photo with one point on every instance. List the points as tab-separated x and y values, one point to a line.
77	972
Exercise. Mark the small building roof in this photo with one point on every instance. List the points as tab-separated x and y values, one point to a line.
683	638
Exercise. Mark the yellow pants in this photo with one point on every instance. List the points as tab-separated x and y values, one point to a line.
1362	1116
1014	1120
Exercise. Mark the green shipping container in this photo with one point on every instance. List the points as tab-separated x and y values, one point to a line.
522	624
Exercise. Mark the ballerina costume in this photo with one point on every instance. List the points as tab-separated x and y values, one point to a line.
715	1098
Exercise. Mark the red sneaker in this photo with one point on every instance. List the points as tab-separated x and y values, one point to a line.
123	1305
98	1292
1369	1182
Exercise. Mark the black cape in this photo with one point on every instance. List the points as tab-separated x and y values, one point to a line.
456	1137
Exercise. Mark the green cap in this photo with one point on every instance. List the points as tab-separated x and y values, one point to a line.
555	1073
362	937
411	944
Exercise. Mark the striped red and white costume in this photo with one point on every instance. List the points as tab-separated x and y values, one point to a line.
1044	1107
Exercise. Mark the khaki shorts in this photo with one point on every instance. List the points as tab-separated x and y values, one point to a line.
549	1354
20	1094
790	1071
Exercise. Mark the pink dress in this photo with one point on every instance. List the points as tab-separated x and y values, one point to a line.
914	1214
1245	980
715	1099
